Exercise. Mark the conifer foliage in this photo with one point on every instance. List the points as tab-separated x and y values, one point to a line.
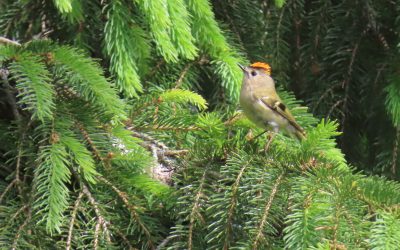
120	128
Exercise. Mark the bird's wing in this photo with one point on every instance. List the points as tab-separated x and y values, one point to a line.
280	108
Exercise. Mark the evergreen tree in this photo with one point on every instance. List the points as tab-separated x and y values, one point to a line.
120	126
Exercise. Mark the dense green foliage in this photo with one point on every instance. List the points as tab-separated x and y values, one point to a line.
120	126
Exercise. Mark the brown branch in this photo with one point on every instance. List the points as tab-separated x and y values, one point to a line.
334	106
71	223
10	94
17	116
335	228
164	156
105	160
124	239
195	210
18	212
18	165
100	219
85	134
132	210
324	95
147	138
185	70
9	186
20	228
395	151
7	41
167	128
234	118
266	212
164	243
232	206
173	152
96	233
353	228
346	83
155	69
201	60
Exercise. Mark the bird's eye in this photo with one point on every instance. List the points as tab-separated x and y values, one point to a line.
253	73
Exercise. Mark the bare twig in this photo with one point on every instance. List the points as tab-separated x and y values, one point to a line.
324	95
100	219
10	94
105	160
96	233
232	206
346	83
266	212
156	68
9	186
185	70
166	128
164	243
124	238
71	223
173	152
201	60
132	210
195	210
395	151
4	40
334	106
21	227
165	157
232	119
18	212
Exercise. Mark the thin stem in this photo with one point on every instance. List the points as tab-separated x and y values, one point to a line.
71	223
267	208
132	210
7	41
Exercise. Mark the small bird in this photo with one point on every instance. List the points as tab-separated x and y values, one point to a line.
262	105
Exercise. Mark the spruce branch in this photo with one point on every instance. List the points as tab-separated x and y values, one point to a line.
394	151
4	73
8	188
159	21
86	135
124	238
200	61
267	208
346	85
164	243
21	228
323	97
21	142
132	209
124	55
163	155
101	221
179	82
232	207
72	221
195	211
7	41
20	210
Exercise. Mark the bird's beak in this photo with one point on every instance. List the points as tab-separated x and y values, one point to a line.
242	67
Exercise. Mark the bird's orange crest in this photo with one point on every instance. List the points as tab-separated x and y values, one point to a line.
261	65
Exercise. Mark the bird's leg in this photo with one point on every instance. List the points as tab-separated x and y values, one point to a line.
270	139
254	138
